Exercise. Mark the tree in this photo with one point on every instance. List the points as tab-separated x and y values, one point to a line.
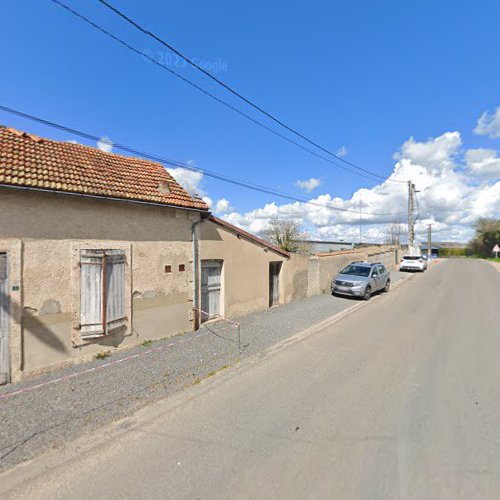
395	233
286	234
487	236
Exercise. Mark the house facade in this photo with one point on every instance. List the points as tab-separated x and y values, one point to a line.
240	273
95	253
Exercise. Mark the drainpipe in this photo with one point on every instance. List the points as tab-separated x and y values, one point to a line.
196	305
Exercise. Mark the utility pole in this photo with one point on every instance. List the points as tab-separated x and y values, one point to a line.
360	226
411	232
429	242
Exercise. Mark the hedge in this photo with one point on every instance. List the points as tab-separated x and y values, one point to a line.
453	252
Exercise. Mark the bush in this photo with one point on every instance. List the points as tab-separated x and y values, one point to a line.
487	236
453	252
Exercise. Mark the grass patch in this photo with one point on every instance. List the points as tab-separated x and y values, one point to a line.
103	355
146	343
197	380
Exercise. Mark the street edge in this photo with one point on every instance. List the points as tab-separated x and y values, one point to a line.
67	452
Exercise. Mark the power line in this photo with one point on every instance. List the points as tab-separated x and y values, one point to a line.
174	163
230	89
219	100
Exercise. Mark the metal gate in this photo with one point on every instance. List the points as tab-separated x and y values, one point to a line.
210	288
4	321
274	283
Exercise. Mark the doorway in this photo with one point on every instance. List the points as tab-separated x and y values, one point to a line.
274	283
4	321
211	271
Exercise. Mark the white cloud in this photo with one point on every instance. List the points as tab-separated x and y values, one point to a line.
451	197
223	207
436	154
486	202
105	144
309	185
456	188
208	201
489	124
342	151
483	163
190	180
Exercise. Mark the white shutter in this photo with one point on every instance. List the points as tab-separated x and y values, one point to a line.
91	305
115	289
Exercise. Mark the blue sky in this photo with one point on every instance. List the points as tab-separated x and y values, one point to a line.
362	75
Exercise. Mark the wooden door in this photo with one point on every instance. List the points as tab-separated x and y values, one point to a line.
211	271
274	283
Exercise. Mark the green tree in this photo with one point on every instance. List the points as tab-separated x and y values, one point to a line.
486	237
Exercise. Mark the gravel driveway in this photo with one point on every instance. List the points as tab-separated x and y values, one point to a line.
85	397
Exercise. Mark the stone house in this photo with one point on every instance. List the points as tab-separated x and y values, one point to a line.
95	252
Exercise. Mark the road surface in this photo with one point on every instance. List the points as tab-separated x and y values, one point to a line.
400	400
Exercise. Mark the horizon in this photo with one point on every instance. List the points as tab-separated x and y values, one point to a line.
440	132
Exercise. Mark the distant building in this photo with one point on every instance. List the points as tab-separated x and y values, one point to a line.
440	249
328	246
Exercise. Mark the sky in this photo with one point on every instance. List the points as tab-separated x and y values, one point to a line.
408	90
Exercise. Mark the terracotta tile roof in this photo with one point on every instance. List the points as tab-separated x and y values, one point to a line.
248	236
30	161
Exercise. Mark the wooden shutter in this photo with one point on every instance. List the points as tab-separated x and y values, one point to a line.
115	289
91	294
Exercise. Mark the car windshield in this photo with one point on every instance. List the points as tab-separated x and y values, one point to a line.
355	270
412	257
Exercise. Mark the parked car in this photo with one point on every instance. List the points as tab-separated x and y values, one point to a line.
361	279
413	263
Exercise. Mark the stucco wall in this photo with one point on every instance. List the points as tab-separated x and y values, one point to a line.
50	229
245	269
43	234
295	278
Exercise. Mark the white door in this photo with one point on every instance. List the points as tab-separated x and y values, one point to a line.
210	288
4	321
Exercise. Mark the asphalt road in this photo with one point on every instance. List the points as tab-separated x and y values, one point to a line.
400	400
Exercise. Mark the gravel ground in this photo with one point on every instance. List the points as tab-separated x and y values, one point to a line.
97	393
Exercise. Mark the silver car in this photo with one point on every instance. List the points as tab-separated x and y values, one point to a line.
361	279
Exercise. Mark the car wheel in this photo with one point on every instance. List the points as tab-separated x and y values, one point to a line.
368	293
387	286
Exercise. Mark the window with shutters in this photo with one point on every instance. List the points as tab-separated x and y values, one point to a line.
102	292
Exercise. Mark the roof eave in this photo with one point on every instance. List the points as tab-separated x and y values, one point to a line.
105	198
